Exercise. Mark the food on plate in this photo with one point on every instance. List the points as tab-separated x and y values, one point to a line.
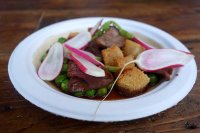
98	61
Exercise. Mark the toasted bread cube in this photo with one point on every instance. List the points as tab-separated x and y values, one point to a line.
132	48
110	55
132	82
122	61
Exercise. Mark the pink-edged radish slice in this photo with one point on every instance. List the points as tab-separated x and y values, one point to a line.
52	64
84	55
80	40
87	67
94	29
141	43
158	59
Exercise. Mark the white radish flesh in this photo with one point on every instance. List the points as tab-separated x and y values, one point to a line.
80	40
86	55
52	64
157	59
87	67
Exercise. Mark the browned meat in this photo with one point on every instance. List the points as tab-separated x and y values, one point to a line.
94	48
91	82
111	37
77	84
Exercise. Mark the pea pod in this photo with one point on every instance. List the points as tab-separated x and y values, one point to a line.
112	69
102	91
106	26
90	93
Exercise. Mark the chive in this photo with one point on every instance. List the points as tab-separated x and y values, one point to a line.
62	40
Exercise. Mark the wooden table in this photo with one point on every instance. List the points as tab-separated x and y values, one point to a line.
18	19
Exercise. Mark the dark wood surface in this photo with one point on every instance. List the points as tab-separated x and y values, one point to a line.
19	18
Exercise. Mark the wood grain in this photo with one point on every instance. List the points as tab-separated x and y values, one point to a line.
20	18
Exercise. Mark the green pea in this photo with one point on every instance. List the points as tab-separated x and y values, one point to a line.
62	40
90	93
102	91
64	68
112	69
60	79
153	78
78	94
64	85
43	57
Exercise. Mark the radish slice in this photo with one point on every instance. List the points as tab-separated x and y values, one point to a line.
94	29
87	67
84	55
52	64
80	40
157	59
141	43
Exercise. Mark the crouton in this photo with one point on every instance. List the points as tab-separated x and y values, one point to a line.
110	55
132	48
72	34
122	61
132	82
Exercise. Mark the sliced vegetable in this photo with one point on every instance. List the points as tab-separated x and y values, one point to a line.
52	64
65	61
78	93
62	40
95	28
157	59
80	40
64	85
60	79
153	78
102	91
87	67
90	93
143	44
86	55
112	69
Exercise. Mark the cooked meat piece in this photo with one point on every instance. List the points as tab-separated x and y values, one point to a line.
110	55
93	82
122	61
77	84
132	48
132	82
111	37
94	48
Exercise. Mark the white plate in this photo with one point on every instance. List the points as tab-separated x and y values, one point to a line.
24	78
